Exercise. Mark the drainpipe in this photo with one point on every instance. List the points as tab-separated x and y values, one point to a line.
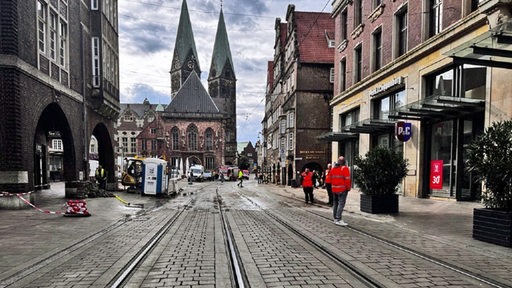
84	111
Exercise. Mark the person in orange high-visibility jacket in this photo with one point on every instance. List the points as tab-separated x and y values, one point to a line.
307	185
340	185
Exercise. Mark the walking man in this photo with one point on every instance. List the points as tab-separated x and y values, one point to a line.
241	178
340	183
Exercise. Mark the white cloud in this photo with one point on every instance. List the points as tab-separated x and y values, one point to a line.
147	34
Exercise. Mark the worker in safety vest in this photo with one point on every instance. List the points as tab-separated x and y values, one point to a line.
340	185
101	177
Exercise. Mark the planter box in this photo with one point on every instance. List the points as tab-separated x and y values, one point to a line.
379	204
493	226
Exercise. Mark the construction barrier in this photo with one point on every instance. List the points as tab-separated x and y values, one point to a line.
76	208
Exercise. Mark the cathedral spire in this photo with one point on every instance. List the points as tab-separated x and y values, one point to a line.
184	59
222	63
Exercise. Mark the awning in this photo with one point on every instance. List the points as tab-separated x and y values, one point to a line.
493	48
352	131
370	126
438	107
337	136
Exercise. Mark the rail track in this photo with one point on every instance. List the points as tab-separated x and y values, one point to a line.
227	237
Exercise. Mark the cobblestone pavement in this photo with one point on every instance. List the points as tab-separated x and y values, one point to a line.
271	256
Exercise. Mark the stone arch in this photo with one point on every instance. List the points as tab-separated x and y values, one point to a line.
52	128
106	153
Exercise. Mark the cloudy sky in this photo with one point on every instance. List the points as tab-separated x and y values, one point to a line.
147	34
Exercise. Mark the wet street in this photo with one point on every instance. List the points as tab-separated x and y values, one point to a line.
214	234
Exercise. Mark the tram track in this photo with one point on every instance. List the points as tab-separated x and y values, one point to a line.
464	273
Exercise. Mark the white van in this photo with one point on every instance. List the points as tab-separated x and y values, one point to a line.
197	173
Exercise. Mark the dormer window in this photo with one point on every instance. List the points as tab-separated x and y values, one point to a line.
331	42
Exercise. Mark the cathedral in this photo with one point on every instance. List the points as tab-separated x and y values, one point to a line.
198	125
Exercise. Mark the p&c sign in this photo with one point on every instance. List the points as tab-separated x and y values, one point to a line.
403	131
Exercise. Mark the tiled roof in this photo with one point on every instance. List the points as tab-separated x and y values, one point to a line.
192	98
311	36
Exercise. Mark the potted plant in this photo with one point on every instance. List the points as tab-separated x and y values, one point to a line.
489	159
377	175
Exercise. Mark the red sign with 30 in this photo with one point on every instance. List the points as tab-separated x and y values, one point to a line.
436	174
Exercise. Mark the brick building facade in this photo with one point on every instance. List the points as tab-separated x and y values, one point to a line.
299	86
49	83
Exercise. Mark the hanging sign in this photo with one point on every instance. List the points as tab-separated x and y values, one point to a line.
436	174
403	131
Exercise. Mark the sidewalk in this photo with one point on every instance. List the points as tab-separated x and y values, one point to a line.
444	220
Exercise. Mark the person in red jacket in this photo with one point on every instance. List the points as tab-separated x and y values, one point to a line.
307	185
327	182
340	185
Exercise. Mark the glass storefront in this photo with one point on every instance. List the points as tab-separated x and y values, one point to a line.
450	135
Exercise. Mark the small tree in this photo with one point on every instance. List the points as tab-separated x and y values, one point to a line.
380	172
489	158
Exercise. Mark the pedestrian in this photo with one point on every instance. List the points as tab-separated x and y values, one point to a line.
221	177
340	185
240	178
307	185
327	182
101	177
315	179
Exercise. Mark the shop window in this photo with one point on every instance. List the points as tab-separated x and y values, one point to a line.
465	81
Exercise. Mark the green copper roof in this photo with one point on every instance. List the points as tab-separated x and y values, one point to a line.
221	51
184	38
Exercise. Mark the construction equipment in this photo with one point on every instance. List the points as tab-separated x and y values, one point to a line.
132	174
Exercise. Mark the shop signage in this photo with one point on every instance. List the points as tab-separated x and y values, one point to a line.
436	174
398	81
403	131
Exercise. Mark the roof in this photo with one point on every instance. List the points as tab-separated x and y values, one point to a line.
312	28
221	51
185	38
192	97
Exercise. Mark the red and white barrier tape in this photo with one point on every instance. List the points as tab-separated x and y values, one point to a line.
37	208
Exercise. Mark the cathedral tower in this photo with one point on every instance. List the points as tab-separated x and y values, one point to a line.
184	59
222	86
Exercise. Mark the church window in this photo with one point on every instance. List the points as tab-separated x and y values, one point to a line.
209	139
192	137
175	135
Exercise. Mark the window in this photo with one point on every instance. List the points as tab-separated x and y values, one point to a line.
377	50
401	27
152	131
343	26
95	62
154	147
192	138
331	75
382	107
124	142
331	43
63	43
133	145
282	126
358	13
175	138
291	119
42	10
435	17
358	63
376	4
57	144
342	75
94	4
290	141
53	35
144	147
466	81
349	118
209	139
